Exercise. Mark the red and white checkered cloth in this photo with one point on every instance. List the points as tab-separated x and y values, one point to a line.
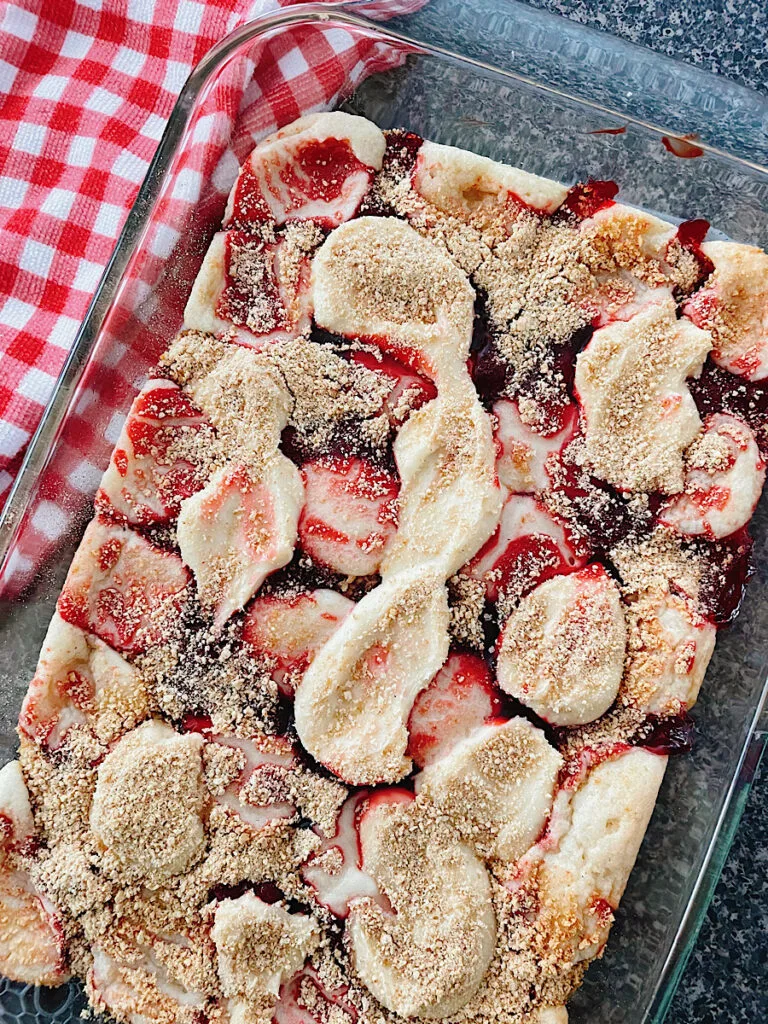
86	87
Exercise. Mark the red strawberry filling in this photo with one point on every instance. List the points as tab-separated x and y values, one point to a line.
156	463
667	735
288	631
320	180
349	515
529	546
334	871
122	588
251	295
320	170
410	390
586	198
266	288
729	566
305	1000
690	235
399	157
461	698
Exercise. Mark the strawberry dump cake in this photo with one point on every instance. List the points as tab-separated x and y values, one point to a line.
402	580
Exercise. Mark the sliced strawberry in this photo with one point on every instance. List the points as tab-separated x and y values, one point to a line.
52	706
318	168
723	481
461	698
288	631
529	546
141	981
334	870
80	679
266	290
32	943
17	825
122	588
322	181
305	1000
587	197
410	390
153	467
525	456
259	794
350	513
733	306
239	529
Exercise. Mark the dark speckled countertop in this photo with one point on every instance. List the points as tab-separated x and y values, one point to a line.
726	981
729	37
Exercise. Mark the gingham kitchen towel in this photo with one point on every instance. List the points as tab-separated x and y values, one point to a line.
86	87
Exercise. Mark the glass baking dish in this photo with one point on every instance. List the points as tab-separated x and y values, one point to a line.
521	86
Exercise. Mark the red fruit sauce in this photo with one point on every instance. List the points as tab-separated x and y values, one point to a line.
717	390
199	723
682	147
236	301
587	197
730	567
317	172
248	203
400	156
267	892
690	235
324	167
671	735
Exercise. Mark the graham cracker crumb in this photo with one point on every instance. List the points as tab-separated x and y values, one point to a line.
466	599
221	766
199	669
330	395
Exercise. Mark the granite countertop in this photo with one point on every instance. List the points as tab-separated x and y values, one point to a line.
726	981
729	37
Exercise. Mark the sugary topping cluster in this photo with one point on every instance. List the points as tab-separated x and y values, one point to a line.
404	575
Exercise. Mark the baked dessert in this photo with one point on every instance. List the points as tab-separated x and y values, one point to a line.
403	578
